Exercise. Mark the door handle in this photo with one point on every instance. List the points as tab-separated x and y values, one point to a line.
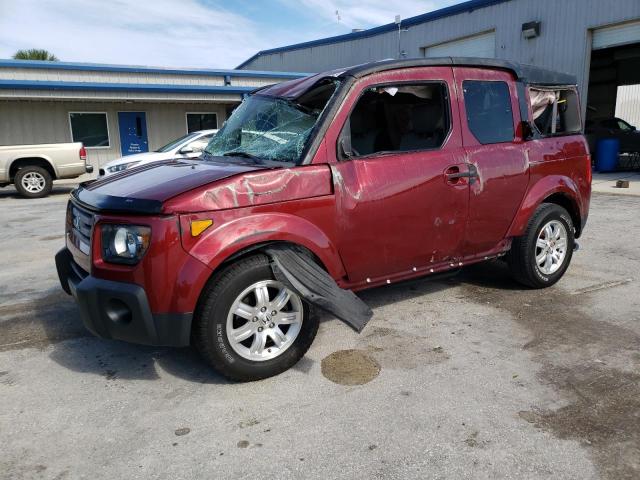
453	174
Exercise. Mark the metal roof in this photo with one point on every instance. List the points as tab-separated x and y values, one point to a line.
99	67
463	7
122	87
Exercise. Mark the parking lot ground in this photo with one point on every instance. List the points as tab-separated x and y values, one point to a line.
470	377
607	183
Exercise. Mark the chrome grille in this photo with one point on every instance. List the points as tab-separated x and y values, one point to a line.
79	227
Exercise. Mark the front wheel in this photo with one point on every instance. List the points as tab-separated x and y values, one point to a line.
540	257
248	325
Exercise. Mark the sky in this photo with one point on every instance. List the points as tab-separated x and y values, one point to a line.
185	33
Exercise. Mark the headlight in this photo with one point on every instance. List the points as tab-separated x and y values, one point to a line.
124	243
122	166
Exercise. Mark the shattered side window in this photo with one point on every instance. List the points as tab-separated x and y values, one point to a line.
271	128
555	111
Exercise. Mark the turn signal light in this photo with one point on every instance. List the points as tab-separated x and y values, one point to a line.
199	226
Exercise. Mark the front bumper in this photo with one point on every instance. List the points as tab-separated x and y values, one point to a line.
120	310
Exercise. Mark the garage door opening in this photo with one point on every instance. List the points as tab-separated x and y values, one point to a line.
614	83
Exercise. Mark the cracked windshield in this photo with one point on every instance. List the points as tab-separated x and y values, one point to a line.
272	129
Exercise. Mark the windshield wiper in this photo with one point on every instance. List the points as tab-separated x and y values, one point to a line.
257	160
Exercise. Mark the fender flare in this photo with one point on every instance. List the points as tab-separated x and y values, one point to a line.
38	156
216	246
538	193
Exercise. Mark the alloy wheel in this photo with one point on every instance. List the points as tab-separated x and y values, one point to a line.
551	247
264	321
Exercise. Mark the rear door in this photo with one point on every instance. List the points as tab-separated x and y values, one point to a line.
494	147
402	196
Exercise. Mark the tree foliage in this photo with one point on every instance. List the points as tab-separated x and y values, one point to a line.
35	54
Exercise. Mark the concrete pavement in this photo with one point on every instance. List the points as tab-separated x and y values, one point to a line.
478	378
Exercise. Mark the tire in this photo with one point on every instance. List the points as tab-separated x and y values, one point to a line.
214	322
522	260
33	182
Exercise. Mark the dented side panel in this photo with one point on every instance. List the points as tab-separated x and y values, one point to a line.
398	211
309	223
255	188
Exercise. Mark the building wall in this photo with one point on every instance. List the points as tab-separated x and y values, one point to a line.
28	122
564	43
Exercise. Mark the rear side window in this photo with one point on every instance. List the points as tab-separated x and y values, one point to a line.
399	118
555	111
489	115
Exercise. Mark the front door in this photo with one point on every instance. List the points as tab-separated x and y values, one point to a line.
133	132
402	196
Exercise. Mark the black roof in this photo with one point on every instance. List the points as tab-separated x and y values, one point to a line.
526	73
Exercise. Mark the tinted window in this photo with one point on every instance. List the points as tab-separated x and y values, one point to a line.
399	118
624	126
489	114
90	129
201	121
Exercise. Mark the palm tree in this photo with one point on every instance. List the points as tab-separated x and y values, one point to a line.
35	54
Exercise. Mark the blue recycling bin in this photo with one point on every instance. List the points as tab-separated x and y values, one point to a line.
607	150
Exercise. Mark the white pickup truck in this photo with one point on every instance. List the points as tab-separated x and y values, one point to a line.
33	168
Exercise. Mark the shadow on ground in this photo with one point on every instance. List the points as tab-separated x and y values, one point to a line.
10	192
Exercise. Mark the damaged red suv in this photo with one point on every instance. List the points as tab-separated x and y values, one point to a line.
321	186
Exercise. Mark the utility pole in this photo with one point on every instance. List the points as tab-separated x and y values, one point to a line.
398	22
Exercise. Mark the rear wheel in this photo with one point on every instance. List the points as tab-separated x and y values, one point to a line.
540	257
33	182
248	325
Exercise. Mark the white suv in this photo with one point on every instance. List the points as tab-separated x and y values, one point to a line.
189	146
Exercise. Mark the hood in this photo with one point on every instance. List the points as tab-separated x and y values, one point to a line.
143	189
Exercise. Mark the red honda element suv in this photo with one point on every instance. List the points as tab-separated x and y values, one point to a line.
321	186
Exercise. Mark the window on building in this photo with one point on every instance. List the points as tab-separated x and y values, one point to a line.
555	111
489	114
90	128
399	118
201	121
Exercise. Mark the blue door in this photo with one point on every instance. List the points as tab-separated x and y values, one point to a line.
133	132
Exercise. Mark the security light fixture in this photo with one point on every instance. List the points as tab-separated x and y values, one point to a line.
531	30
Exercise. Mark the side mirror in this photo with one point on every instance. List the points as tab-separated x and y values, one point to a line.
527	130
187	149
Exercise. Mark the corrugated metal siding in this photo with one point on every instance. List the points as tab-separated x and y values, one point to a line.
483	45
14	73
84	95
563	45
25	122
628	104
